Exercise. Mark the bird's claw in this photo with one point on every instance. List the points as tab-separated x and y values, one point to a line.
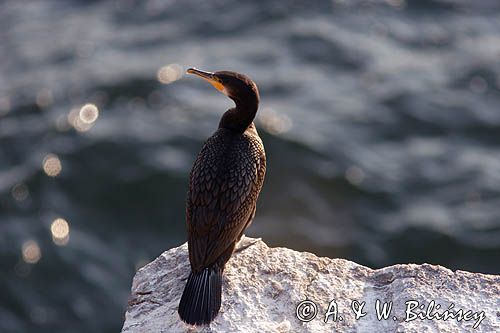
246	242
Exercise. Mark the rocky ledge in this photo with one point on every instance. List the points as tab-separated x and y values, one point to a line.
264	289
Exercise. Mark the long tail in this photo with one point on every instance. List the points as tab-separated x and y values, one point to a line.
201	300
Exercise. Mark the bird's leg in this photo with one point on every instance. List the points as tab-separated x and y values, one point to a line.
246	242
243	241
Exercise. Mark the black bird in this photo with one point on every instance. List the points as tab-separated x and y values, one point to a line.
224	184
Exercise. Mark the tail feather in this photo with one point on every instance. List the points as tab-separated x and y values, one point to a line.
201	299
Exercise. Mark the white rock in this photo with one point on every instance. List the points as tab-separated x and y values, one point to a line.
262	287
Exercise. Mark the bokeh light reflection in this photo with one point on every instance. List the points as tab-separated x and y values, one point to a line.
31	252
60	231
274	122
89	113
20	192
52	165
170	73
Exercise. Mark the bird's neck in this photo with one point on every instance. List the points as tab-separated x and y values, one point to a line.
240	117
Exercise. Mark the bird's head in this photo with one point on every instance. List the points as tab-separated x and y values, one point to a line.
240	88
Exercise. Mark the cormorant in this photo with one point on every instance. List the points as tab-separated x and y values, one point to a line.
224	184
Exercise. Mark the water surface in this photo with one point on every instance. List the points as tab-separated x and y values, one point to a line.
380	119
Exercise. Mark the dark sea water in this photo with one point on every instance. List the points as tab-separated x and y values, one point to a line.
381	122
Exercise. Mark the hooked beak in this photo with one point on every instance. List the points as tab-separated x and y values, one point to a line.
210	77
203	74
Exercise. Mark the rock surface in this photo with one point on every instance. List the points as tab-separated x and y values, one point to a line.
262	287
